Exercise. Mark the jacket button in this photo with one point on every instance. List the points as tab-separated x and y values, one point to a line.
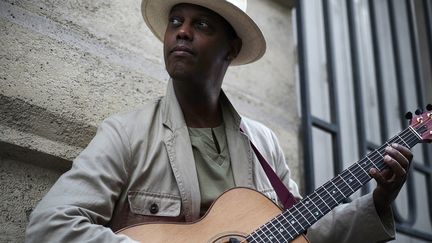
154	208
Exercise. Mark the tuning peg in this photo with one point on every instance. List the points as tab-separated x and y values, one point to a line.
408	115
419	111
429	107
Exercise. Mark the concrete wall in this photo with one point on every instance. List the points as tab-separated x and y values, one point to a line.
66	65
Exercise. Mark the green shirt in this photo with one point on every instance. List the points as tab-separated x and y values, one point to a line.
213	165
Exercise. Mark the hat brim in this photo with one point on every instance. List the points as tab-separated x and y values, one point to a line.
155	14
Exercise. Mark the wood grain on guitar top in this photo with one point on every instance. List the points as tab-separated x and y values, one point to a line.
235	214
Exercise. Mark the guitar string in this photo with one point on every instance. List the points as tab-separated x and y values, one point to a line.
400	137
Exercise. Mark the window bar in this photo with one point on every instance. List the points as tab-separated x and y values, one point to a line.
412	209
413	41
427	7
305	102
358	94
416	234
333	91
323	125
378	72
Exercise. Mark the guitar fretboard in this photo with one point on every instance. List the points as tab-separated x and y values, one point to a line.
294	221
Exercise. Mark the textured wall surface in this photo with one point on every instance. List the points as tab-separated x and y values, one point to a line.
27	184
66	65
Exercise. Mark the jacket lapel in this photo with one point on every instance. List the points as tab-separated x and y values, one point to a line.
238	144
180	154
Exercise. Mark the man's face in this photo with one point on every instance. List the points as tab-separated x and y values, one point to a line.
196	42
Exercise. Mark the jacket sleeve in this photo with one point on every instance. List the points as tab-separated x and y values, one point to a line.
81	202
356	222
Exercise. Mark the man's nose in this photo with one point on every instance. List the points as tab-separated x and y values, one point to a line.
185	32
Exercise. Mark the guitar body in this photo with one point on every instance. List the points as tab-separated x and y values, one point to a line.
235	214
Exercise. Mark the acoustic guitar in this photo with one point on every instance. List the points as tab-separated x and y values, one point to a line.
244	215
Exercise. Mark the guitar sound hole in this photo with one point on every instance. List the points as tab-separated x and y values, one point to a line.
230	238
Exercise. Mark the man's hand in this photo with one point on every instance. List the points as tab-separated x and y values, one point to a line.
390	180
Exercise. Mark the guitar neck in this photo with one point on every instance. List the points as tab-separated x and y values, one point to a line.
294	221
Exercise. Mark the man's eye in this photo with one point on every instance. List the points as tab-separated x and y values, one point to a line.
203	25
175	21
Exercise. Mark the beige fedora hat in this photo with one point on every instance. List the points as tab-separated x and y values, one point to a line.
155	14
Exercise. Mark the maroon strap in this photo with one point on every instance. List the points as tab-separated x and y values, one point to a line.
284	195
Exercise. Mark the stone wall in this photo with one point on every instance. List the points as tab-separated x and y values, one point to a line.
66	65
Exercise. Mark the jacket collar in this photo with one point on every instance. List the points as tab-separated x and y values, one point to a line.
173	116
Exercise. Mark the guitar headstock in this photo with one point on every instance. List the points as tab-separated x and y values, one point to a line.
422	123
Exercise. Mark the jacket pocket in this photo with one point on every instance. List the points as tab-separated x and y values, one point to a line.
154	204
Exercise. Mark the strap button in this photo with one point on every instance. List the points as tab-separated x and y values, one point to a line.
154	208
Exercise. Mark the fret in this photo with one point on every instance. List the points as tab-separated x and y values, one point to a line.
292	222
272	236
262	237
257	232
331	196
317	208
310	212
322	200
350	181
378	152
344	188
412	136
414	141
282	229
381	165
387	144
373	164
267	230
279	227
251	236
415	132
371	161
266	237
286	220
284	232
343	194
363	170
307	221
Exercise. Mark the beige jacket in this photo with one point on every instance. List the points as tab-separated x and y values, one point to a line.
140	167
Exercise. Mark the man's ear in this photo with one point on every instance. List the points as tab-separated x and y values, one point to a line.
236	45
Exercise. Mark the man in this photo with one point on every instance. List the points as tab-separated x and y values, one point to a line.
169	160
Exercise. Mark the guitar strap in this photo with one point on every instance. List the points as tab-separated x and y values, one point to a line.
284	195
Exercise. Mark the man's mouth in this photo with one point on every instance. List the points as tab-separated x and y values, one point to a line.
182	50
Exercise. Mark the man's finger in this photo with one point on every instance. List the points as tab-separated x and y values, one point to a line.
378	176
396	167
403	150
398	156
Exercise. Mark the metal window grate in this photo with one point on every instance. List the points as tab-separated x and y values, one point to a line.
405	224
